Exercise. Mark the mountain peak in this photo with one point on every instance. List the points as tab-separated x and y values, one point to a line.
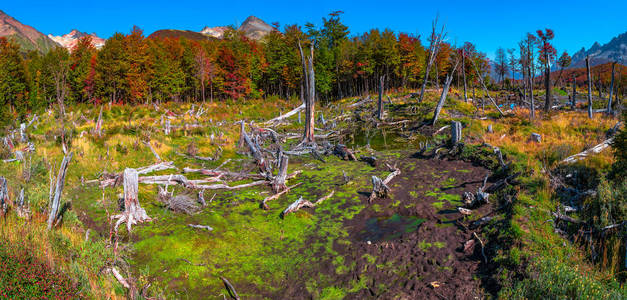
26	36
614	50
70	39
255	28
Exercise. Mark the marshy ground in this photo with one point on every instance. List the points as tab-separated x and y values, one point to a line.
408	245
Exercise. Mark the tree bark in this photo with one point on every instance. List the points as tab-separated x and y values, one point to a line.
464	75
609	100
380	103
433	48
4	196
310	95
456	132
58	190
589	87
133	212
574	99
278	184
532	110
438	108
547	84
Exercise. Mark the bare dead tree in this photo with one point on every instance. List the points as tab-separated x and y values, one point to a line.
464	74
485	88
447	84
58	190
59	72
589	87
310	95
98	126
609	100
380	103
574	97
436	40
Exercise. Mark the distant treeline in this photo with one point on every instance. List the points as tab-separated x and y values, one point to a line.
134	69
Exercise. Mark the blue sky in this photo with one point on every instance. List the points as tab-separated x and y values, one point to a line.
488	24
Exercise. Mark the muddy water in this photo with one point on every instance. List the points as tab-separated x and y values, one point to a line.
381	139
389	228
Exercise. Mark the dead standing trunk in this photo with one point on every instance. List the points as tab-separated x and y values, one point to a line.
4	196
574	99
58	190
609	100
438	108
433	48
532	110
464	75
547	84
380	104
589	87
310	95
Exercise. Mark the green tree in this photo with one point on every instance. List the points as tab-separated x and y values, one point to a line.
13	82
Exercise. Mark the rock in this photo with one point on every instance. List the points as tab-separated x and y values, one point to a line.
490	129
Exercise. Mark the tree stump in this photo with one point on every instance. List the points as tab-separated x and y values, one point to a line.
535	137
58	190
278	184
379	189
456	132
133	212
4	196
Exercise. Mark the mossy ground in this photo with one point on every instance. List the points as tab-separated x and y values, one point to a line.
258	251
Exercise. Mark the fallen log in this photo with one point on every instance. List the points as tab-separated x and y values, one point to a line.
485	258
501	183
264	203
560	216
300	203
360	103
261	163
119	277
371	160
379	187
222	186
285	115
205	227
343	152
153	151
230	288
584	154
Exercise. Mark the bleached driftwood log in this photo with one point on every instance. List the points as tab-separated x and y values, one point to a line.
264	203
58	190
594	150
284	116
380	187
153	151
300	203
205	227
